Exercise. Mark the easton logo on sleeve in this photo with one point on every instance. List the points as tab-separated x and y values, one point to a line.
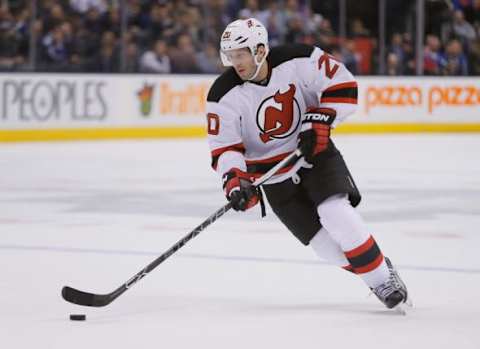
279	115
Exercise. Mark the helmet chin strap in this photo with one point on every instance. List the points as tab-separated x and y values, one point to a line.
259	65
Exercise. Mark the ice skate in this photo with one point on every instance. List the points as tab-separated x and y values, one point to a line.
393	293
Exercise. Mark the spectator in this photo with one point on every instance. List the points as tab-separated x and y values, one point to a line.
431	55
229	7
396	46
180	5
401	46
365	45
136	16
183	56
349	57
131	58
458	28
54	17
22	23
476	14
358	29
156	60
313	22
94	21
275	20
461	4
393	64
251	10
408	59
208	60
55	48
474	67
188	22
160	23
337	54
108	59
217	15
454	61
470	8
70	34
295	30
83	6
325	35
292	10
10	57
85	45
113	20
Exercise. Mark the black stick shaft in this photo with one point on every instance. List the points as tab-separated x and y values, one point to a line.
141	274
75	296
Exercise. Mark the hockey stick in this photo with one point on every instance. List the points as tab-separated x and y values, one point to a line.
75	296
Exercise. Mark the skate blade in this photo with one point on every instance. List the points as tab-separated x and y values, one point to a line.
409	302
401	307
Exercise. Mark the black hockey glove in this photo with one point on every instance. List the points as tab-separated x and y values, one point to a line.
240	190
315	134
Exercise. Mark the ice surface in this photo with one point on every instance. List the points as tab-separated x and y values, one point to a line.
92	214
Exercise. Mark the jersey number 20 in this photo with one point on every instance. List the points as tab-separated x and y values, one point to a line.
213	124
329	70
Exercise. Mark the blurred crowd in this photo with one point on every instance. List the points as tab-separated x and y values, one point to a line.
182	36
451	47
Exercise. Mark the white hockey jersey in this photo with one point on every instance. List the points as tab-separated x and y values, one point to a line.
252	126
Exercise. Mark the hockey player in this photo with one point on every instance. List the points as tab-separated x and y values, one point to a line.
271	102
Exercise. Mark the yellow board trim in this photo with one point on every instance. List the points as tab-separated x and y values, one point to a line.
408	128
101	133
198	131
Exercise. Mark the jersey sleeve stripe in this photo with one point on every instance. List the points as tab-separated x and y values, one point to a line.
344	85
239	147
338	100
341	93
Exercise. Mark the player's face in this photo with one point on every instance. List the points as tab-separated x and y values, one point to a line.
243	62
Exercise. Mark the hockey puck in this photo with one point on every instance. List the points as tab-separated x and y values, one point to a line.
78	317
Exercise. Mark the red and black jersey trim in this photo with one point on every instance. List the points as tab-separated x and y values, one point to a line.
217	152
224	83
346	92
365	257
284	53
259	167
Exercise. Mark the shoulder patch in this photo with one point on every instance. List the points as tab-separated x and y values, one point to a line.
284	53
224	83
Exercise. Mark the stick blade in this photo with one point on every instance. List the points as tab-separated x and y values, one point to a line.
78	297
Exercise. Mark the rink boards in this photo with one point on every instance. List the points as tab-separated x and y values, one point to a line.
103	106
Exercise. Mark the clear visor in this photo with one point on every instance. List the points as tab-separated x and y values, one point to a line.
232	57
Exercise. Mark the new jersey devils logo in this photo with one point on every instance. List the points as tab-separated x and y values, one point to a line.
279	115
